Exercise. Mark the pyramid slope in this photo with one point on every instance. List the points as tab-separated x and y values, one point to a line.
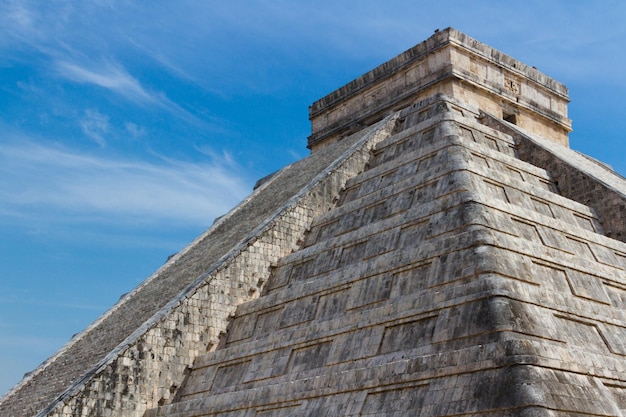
154	332
450	280
437	262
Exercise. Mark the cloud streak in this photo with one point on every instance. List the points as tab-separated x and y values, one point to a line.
95	125
110	76
54	183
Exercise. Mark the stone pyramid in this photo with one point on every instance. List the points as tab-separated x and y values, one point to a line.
442	252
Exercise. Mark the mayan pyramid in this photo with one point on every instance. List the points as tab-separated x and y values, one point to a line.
441	252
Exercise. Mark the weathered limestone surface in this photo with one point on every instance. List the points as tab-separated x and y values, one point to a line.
451	279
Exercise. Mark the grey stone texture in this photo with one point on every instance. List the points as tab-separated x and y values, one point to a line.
440	262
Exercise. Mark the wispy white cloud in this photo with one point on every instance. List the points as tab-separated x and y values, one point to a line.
55	183
95	125
111	76
134	130
79	45
19	14
37	25
17	21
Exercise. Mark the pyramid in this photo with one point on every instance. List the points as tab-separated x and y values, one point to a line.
442	252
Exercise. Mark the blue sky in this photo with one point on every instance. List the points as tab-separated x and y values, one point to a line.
127	126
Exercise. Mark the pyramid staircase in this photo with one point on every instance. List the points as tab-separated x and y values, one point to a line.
451	278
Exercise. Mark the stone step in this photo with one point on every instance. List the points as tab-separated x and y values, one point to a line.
524	189
518	262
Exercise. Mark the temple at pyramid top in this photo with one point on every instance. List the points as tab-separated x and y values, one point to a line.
455	64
